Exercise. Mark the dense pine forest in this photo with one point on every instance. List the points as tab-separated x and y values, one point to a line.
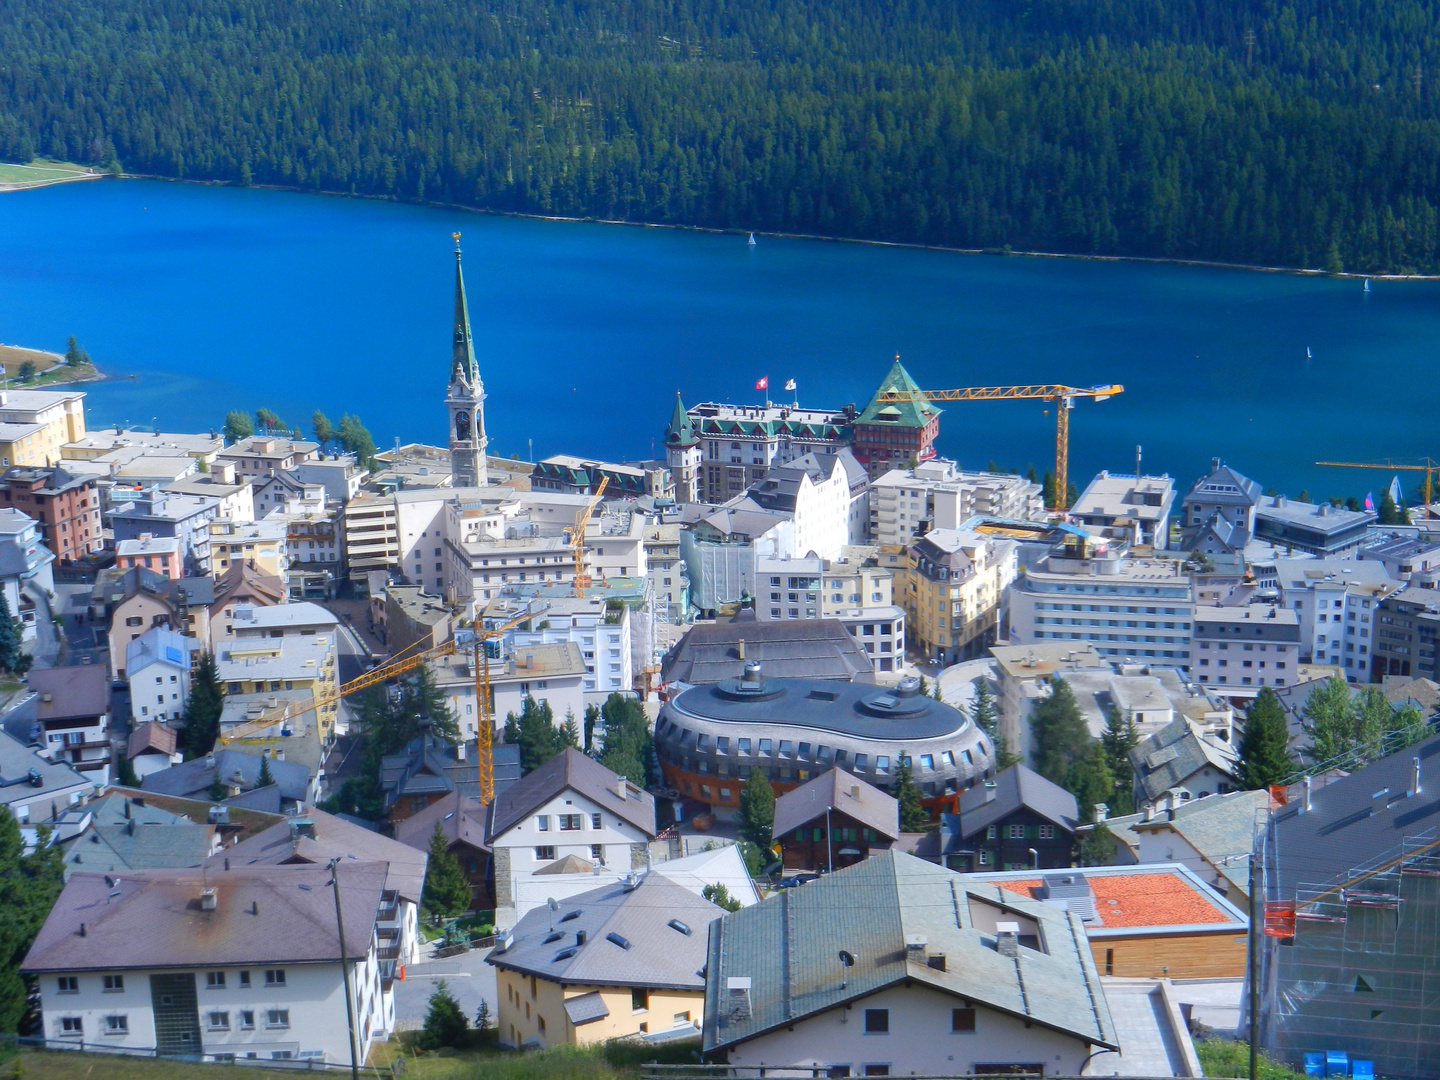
1294	132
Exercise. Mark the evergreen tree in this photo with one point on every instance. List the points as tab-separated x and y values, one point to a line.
1390	514
483	1022
985	715
125	774
534	731
592	717
1264	744
1329	716
268	422
356	439
10	652
217	789
446	890
757	809
720	896
445	1022
320	425
629	748
1050	491
27	370
74	355
1407	727
913	816
238	425
29	886
570	730
1119	739
1064	751
1097	846
266	778
203	706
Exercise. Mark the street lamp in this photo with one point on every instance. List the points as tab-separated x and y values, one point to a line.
1034	859
334	883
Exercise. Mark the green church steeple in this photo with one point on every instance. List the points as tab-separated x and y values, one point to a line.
462	365
681	431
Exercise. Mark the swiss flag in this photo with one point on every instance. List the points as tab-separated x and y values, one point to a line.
764	383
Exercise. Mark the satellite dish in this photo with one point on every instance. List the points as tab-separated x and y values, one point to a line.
846	958
554	904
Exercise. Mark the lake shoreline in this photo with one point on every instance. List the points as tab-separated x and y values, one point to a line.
1208	264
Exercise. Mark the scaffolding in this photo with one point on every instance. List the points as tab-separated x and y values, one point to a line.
1351	966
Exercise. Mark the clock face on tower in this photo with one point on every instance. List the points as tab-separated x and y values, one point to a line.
462	425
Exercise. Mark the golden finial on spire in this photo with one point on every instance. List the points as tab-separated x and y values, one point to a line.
456	237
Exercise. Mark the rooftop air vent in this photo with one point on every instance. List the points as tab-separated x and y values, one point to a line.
616	939
676	924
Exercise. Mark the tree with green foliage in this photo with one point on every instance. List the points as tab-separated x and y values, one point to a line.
445	1022
75	356
629	746
320	426
356	439
1264	747
238	425
757	809
483	1020
217	791
534	731
203	706
267	421
446	891
10	637
1049	490
29	886
266	777
592	717
1097	846
983	710
1119	739
720	896
570	730
1065	752
913	815
27	370
755	857
1329	716
1390	514
125	774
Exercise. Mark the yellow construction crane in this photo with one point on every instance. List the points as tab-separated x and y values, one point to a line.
577	539
485	726
1430	468
1063	398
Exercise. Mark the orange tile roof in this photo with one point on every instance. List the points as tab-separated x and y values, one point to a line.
1157	898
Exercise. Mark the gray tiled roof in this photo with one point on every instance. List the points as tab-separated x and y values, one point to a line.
585	1008
841	791
789	947
73	692
1175	753
334	838
263	915
573	770
654	953
16	762
139	846
1220	827
1015	787
193	777
797	649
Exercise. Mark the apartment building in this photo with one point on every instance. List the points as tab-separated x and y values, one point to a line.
301	662
72	718
952	586
36	424
738	443
1336	602
66	505
906	503
1237	650
1407	634
1124	506
260	455
260	543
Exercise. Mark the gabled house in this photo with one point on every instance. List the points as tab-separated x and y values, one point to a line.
621	961
834	821
157	664
1018	821
130	602
217	964
413	779
36	789
153	746
72	717
462	819
571	807
112	833
1223	494
896	966
243	585
1179	758
239	774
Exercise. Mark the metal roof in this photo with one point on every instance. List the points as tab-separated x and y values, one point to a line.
572	770
840	791
1016	787
798	649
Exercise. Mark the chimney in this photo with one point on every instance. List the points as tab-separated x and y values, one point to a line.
1149	811
622	787
82	929
130	827
1415	787
990	787
1007	938
207	900
1305	806
740	651
915	946
254	907
1101	812
737	993
210	761
579	937
47	697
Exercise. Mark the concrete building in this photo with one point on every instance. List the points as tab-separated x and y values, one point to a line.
722	549
553	674
65	503
185	518
615	545
669	577
621	961
260	455
414	621
216	964
261	665
906	503
115	446
682	454
603	631
1123	506
1324	530
242	586
236	496
36	424
130	602
26	565
891	434
1406	558
1024	674
161	554
834	821
710	738
803	649
1152	696
485	554
570	806
157	666
261	543
465	397
1097	591
935	976
1263	646
1335	602
1407	634
951	587
72	717
853	589
582	476
1224	497
738	443
826	495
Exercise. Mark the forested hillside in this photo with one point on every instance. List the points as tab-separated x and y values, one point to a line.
1249	130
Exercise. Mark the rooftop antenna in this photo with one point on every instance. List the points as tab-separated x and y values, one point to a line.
1137	463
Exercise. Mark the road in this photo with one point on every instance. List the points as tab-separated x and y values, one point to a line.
467	975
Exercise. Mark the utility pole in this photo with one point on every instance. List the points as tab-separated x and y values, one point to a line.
345	969
1255	878
1249	48
1417	81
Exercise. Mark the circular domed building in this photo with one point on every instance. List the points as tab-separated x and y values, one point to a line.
710	738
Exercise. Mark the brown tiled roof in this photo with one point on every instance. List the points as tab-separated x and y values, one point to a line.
66	692
155	918
246	581
573	770
462	819
841	791
152	736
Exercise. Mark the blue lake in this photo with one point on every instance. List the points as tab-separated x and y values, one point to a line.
219	298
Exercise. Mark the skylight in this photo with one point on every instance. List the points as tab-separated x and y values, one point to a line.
676	924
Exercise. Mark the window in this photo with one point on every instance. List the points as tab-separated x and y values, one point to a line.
962	1020
681	1018
215	980
877	1070
571	822
1047	832
542	822
114	984
545	853
247	1019
639	999
277	1018
877	1021
275	977
72	1025
1015	832
68	984
596	821
990	832
218	1021
118	1024
244	980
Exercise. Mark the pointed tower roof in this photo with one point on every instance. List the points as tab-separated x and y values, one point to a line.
681	431
916	413
462	365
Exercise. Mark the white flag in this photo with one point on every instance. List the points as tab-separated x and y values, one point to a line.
789	384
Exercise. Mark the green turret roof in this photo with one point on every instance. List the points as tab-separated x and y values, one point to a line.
915	413
681	431
462	364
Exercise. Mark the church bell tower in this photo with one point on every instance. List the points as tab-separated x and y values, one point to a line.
465	399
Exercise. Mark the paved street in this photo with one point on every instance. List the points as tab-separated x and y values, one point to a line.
469	979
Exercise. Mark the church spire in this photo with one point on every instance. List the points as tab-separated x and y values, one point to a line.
462	365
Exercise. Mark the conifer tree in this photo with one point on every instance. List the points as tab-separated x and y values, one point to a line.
445	1022
1119	739
320	425
757	809
720	896
985	715
446	890
238	425
1264	744
125	773
203	706
1065	753
913	815
629	745
265	779
29	886
9	636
